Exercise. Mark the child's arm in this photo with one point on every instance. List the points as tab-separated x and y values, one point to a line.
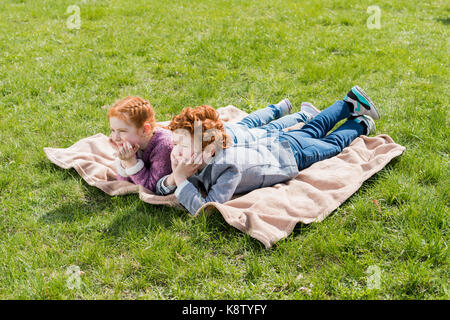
163	188
121	174
294	127
159	166
166	185
222	191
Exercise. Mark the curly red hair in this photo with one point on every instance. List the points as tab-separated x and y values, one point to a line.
212	126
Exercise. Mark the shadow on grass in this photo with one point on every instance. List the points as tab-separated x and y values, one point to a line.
445	21
93	202
141	220
301	229
45	165
220	232
129	214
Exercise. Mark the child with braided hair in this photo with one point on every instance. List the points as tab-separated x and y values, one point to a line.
143	149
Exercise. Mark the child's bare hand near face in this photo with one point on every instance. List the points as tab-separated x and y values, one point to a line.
127	152
186	168
174	161
124	152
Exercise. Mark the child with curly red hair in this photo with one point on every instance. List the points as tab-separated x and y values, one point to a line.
202	159
143	149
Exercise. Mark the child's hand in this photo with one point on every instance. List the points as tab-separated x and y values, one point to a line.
174	161
127	151
294	127
186	168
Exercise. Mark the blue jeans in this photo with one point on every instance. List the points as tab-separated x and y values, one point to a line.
261	117
311	144
285	122
263	122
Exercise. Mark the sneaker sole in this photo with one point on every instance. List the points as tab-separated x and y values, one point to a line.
371	126
311	106
361	92
289	105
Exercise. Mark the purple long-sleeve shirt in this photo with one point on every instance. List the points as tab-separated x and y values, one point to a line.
156	159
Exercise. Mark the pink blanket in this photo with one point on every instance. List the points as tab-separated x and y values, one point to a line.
266	214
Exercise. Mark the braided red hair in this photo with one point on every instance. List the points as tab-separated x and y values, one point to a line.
133	110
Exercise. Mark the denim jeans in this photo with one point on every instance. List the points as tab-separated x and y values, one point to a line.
311	144
263	122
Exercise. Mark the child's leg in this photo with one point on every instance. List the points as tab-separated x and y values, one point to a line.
321	124
286	121
264	116
345	134
309	150
316	128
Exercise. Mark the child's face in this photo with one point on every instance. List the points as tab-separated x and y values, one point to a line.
122	132
185	146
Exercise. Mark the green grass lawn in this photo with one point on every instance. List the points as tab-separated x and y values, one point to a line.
55	83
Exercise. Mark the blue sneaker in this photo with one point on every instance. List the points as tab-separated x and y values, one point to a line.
362	105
